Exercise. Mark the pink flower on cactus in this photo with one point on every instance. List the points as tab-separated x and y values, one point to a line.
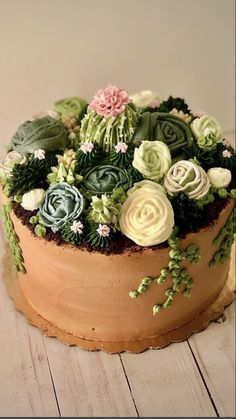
110	102
226	154
200	113
77	227
103	230
87	147
121	147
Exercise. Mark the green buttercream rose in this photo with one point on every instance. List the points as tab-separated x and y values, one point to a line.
44	133
71	105
103	179
207	131
170	129
152	159
62	203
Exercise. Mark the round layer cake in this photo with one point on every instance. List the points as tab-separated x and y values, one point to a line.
120	220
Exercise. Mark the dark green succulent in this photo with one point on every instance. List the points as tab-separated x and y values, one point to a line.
71	236
174	102
88	159
103	179
164	127
187	212
120	159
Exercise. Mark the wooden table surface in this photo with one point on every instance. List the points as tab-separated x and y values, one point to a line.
40	376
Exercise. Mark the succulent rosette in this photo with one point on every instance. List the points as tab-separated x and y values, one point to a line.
104	178
186	176
147	216
170	129
71	106
207	131
62	203
152	159
44	133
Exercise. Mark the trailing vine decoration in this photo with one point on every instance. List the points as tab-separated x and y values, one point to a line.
224	240
180	276
12	238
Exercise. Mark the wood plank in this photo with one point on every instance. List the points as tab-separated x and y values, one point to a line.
167	383
25	383
214	350
88	383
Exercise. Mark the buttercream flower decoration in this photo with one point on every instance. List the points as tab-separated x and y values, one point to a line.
180	114
62	203
103	230
227	154
104	178
104	210
87	147
111	118
219	177
9	161
31	200
145	99
186	176
42	114
44	133
147	216
121	147
73	106
77	227
207	131
39	154
152	159
148	183
110	101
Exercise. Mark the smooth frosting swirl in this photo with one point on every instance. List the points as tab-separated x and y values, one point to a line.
152	159
186	176
147	216
44	133
163	127
219	177
104	178
62	203
206	125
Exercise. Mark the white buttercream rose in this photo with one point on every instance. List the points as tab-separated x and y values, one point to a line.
152	159
9	161
186	176
219	177
206	125
145	98
31	200
147	216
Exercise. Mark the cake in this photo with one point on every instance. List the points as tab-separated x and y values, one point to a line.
120	218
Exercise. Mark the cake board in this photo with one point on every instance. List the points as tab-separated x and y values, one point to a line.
198	324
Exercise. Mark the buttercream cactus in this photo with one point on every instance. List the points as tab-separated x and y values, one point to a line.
186	176
104	210
147	216
152	159
62	203
31	200
103	179
100	236
111	118
65	171
8	162
73	232
122	155
219	177
87	155
207	132
145	99
44	133
170	129
72	106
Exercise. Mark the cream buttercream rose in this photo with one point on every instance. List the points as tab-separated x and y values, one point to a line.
152	159
219	177
186	176
144	99
147	216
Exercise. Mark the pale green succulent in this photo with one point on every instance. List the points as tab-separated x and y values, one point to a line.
104	210
61	173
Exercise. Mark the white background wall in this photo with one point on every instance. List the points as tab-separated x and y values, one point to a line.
50	49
